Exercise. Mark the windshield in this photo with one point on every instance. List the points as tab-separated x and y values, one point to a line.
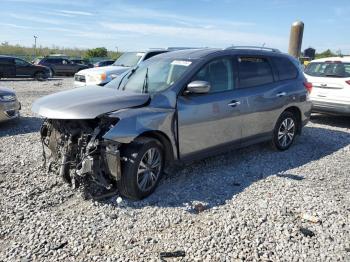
328	69
128	59
152	77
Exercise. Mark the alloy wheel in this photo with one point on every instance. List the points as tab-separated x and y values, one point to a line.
286	132
149	169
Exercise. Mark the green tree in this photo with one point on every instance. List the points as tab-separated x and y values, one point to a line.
96	52
327	53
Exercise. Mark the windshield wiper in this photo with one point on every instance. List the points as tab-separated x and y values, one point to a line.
132	71
145	83
121	65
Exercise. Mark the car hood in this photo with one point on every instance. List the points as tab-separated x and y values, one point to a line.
6	91
105	69
86	102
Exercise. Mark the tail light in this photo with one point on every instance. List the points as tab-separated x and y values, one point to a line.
308	86
348	82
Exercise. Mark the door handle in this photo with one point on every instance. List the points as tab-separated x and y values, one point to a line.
281	94
234	103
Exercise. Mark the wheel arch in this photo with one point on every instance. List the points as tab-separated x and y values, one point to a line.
297	113
164	140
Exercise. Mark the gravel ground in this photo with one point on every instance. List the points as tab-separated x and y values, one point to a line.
249	204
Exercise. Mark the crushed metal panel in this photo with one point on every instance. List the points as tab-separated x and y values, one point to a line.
134	122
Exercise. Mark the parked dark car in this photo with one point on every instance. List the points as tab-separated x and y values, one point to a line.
104	63
61	66
13	67
82	62
9	104
174	107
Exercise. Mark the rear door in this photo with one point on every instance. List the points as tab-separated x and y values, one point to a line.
7	67
57	65
206	121
69	66
23	68
330	81
265	97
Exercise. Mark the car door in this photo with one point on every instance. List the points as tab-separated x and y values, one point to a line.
69	66
265	97
210	120
23	68
58	65
7	67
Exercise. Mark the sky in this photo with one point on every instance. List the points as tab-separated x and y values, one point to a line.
138	25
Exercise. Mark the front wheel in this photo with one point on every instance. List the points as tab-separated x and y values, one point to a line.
142	169
285	131
40	76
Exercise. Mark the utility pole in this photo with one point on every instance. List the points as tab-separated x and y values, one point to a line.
35	37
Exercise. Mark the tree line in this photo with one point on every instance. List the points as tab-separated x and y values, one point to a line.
31	52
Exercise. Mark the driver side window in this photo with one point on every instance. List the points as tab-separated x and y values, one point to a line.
20	62
219	73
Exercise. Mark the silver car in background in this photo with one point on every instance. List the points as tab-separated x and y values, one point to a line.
173	108
9	105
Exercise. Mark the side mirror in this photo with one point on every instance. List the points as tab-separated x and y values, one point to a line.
198	87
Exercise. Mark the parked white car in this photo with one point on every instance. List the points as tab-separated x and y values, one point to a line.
103	75
330	78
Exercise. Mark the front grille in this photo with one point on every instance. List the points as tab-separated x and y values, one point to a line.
79	78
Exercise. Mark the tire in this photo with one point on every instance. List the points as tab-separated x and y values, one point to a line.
52	73
40	76
135	183
285	131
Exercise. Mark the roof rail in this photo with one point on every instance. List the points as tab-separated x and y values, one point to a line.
175	48
255	48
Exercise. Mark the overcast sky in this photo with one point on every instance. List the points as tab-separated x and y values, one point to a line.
135	25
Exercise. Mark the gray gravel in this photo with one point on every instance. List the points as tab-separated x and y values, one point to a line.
253	200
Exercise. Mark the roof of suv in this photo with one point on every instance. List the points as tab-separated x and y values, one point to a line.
7	56
345	59
201	53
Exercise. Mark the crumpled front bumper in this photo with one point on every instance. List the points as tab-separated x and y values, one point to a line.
106	162
112	163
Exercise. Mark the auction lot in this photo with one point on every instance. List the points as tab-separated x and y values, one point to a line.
258	204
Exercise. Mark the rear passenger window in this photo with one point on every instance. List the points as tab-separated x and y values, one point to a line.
6	61
254	71
286	69
54	61
218	73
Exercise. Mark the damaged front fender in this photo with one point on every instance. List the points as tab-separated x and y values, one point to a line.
135	122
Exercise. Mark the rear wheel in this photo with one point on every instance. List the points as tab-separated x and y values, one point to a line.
142	169
285	131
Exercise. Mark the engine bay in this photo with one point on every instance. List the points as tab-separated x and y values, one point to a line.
76	150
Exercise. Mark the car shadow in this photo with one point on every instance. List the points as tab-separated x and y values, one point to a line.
23	125
331	120
215	180
28	79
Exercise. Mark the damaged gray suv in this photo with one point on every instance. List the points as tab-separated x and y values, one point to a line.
173	108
